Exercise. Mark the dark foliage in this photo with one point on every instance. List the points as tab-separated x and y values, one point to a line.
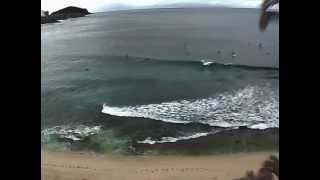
267	16
268	171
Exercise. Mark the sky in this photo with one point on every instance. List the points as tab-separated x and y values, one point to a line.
105	5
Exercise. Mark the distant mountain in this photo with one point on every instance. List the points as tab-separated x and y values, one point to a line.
65	13
71	10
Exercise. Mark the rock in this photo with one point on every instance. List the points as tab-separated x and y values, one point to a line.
71	11
65	13
48	19
44	13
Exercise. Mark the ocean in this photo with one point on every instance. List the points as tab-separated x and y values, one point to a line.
113	80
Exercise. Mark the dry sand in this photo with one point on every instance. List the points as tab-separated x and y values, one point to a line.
86	166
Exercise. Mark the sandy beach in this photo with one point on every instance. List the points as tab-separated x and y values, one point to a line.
91	166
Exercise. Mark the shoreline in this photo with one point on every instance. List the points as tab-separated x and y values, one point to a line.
85	165
224	142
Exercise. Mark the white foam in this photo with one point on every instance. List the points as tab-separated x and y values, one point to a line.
264	125
131	111
255	107
207	62
74	133
172	139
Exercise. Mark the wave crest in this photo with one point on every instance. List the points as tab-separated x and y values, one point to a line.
254	107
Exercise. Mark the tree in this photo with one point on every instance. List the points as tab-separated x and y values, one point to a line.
266	14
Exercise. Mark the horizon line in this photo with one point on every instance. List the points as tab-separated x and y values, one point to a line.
150	8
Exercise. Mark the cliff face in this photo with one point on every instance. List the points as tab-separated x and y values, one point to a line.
65	13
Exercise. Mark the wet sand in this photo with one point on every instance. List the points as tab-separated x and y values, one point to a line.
91	166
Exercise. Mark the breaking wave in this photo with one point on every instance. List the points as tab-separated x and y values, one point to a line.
74	133
172	139
205	62
208	62
149	140
253	106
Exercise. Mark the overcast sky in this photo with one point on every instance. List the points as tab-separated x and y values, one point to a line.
104	5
